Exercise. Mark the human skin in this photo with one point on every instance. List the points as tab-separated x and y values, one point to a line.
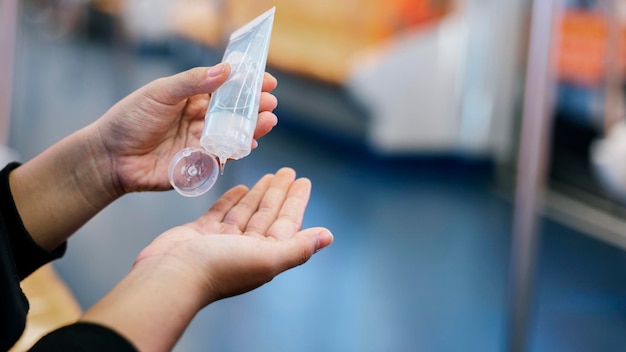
126	150
245	239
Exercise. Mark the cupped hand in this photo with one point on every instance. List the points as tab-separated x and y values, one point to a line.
146	129
243	241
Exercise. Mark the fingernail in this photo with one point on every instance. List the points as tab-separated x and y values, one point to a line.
255	143
216	70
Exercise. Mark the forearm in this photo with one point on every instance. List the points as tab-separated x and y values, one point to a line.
59	190
150	311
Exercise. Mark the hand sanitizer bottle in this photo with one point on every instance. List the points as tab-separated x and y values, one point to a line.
231	117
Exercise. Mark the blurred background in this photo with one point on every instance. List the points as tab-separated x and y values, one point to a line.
406	115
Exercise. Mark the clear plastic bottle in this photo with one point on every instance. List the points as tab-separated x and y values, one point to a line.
231	117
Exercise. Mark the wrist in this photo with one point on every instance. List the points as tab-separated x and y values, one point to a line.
60	189
175	275
150	308
99	169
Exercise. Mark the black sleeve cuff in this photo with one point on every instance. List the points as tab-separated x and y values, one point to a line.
86	337
27	254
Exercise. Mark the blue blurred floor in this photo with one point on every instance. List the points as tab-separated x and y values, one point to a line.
421	247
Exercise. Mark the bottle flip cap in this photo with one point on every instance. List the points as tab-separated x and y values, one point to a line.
193	171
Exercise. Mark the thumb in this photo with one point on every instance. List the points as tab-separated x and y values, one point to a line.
300	248
200	80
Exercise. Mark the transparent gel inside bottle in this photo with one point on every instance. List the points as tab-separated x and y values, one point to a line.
231	117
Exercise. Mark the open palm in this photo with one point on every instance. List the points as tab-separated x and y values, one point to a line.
245	239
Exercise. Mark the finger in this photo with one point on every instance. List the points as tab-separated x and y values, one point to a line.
269	82
268	102
196	107
194	133
265	122
240	214
271	203
223	205
299	249
200	80
289	219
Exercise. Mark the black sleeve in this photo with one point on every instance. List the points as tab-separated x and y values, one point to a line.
83	337
19	257
13	303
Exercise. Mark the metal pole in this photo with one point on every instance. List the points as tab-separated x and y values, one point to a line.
531	172
8	32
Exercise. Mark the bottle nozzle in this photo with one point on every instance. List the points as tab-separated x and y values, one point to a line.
222	162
